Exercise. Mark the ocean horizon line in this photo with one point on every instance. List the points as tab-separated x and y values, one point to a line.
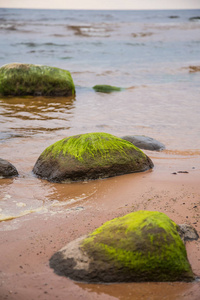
108	9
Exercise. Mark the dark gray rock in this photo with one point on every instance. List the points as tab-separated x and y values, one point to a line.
187	232
7	169
144	142
173	17
194	18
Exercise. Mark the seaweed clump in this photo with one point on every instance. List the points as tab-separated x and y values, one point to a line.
103	88
193	69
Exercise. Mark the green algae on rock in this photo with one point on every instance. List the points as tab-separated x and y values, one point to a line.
103	88
19	79
141	246
90	156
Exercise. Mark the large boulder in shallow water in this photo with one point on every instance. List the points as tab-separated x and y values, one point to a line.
144	142
27	79
7	169
141	246
90	156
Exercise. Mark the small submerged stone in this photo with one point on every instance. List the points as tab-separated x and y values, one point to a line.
19	79
141	246
144	142
7	169
103	88
90	156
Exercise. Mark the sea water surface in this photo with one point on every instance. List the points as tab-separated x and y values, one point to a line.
149	53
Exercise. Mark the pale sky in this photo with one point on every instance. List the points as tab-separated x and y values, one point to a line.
102	4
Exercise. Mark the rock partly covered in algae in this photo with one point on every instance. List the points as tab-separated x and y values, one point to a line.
141	246
27	79
144	142
7	169
90	156
103	88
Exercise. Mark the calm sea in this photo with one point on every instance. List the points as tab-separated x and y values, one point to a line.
147	52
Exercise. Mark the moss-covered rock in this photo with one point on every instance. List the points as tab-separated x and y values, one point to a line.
141	246
103	88
7	169
90	156
27	79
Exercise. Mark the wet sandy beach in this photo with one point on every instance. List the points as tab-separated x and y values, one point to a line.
39	217
28	242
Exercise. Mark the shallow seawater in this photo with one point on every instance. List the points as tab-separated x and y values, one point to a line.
147	52
31	124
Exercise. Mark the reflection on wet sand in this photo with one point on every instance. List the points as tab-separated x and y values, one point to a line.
145	291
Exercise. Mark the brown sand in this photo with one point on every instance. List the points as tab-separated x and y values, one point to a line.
27	243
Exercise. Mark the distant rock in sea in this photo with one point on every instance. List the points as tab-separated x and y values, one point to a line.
7	169
103	88
141	246
173	17
18	79
194	69
144	142
90	156
195	18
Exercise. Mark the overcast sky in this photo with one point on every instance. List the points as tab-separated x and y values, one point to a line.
102	4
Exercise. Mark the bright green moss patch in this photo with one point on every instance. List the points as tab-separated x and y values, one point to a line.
91	145
144	243
27	79
103	88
